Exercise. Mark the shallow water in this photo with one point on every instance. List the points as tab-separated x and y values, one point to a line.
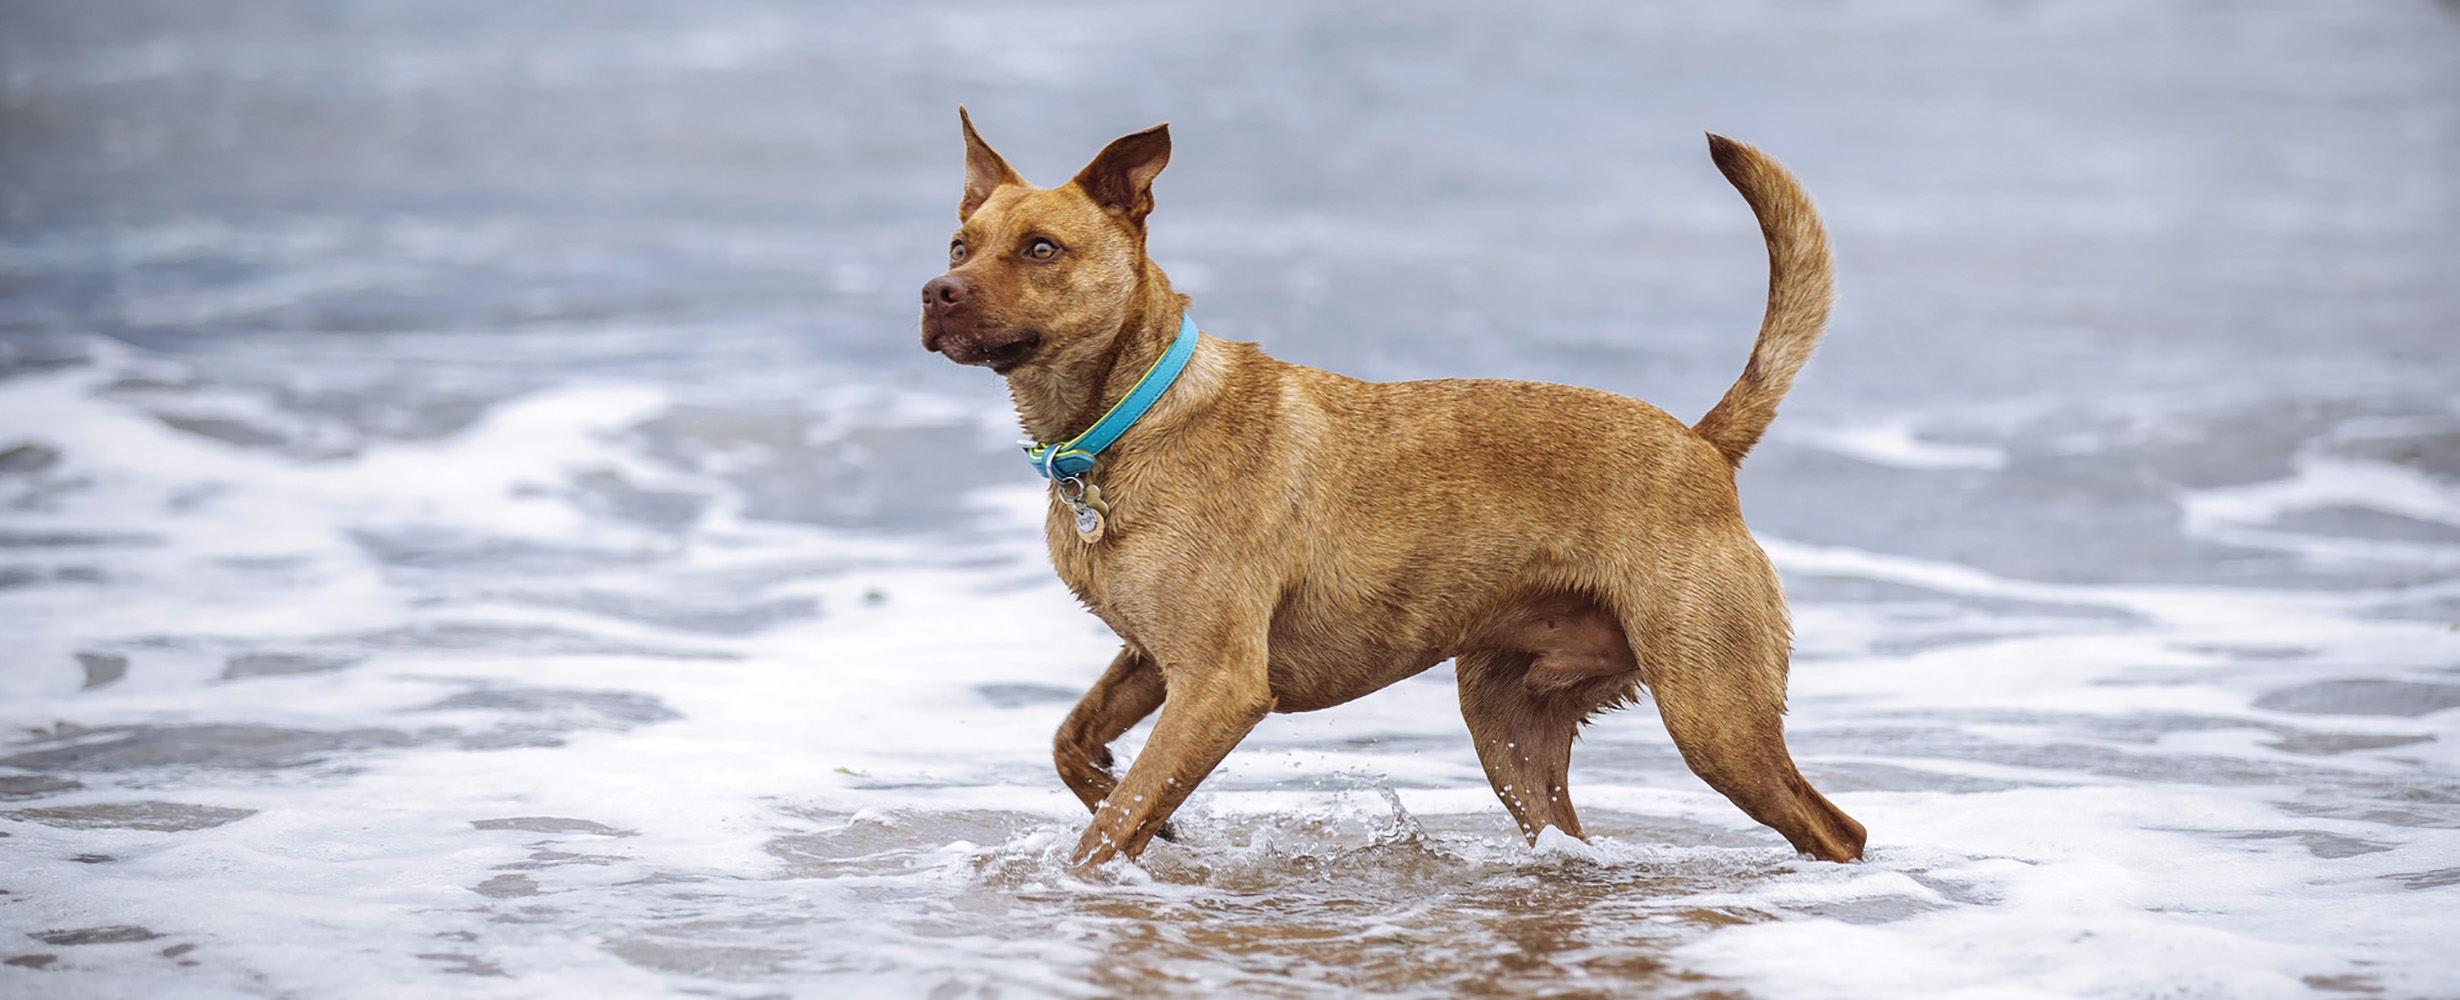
474	517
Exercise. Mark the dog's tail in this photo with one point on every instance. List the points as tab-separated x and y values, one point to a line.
1799	292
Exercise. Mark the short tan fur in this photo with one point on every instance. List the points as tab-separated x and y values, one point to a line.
1283	538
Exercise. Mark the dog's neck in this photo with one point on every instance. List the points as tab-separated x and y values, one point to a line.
1059	400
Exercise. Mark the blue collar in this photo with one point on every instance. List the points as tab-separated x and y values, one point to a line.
1074	456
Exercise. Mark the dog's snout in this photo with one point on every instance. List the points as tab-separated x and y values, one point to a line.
944	291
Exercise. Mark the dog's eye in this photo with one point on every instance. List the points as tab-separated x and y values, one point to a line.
956	251
1042	249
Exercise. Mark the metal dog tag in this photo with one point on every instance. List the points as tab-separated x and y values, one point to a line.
1085	501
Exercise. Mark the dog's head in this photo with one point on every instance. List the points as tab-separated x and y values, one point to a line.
1042	273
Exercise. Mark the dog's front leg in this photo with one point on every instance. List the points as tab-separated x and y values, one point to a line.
1130	690
1210	707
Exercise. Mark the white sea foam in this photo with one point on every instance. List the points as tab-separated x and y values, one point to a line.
494	783
2247	515
1898	443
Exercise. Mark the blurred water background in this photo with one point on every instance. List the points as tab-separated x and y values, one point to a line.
475	517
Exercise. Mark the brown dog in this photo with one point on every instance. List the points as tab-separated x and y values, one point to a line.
1285	539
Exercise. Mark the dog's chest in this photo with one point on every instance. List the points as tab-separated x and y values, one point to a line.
1082	565
1132	543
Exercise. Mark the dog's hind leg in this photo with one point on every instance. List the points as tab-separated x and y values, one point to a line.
1716	666
1523	737
1130	690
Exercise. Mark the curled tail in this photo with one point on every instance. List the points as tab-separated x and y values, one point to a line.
1799	292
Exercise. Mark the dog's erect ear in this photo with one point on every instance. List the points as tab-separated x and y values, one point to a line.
1121	178
984	170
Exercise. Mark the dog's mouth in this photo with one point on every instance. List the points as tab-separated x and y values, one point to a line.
968	347
1006	357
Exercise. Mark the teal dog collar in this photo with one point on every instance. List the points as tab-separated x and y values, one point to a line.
1075	456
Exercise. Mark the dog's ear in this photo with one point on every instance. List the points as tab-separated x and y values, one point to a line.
1121	178
985	172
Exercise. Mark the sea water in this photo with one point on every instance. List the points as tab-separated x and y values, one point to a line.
475	518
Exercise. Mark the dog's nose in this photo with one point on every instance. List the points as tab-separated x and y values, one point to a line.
944	291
